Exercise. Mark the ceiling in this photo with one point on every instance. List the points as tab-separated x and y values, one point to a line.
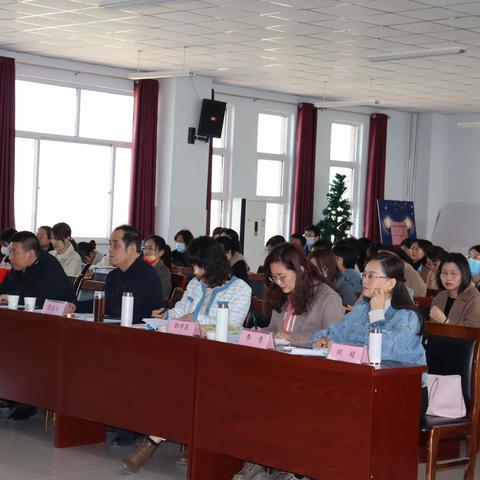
303	47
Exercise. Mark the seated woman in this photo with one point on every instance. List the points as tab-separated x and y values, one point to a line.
183	239
297	296
435	256
157	253
236	259
418	254
88	253
326	264
458	302
347	257
44	235
386	305
300	302
64	251
213	283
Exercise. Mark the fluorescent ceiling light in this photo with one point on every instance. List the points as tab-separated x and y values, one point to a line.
433	52
160	74
348	103
119	4
468	124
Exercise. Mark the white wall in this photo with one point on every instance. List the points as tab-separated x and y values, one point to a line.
448	167
182	168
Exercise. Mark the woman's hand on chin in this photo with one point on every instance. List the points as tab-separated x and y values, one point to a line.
377	302
323	342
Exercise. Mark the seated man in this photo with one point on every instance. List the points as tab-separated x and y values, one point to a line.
37	274
132	274
34	273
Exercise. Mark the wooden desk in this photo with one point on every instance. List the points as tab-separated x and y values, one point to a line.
315	417
310	416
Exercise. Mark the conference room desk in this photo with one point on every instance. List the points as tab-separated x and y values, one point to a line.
94	375
229	403
312	416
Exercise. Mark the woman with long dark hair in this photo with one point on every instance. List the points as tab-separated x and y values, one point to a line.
458	301
157	253
64	249
297	296
386	305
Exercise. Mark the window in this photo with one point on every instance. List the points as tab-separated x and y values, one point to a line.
344	141
73	158
219	185
272	148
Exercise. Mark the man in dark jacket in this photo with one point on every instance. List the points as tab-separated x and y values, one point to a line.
34	273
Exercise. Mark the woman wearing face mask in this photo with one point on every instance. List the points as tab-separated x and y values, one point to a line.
44	235
183	238
458	302
5	239
474	261
212	283
157	253
64	251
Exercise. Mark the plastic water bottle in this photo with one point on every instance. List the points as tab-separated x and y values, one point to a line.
127	309
375	347
221	326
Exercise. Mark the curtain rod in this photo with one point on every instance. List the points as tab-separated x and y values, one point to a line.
289	103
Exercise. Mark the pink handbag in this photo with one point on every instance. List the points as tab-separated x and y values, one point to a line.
445	397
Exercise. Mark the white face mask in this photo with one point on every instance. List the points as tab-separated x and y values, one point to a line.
310	241
180	247
5	251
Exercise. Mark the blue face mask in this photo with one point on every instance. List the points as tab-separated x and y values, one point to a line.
180	247
310	241
474	266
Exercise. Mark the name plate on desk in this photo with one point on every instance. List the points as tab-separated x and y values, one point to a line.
183	327
250	338
54	307
348	353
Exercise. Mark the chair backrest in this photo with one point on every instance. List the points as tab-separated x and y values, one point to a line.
432	292
177	295
78	280
179	280
187	271
454	350
257	283
87	287
425	302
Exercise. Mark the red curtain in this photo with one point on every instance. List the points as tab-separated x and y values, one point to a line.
304	177
7	142
377	151
144	156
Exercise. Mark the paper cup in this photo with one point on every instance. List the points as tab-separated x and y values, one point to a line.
29	303
13	301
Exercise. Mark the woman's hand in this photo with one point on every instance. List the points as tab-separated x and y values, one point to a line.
378	300
437	315
323	342
283	335
188	317
160	313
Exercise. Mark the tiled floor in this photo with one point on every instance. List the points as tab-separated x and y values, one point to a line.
27	453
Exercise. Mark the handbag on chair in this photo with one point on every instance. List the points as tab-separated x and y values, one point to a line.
445	397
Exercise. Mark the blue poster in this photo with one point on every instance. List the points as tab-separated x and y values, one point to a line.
397	221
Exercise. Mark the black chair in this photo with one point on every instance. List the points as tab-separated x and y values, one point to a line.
453	350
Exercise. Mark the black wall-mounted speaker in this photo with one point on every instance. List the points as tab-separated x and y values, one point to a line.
211	118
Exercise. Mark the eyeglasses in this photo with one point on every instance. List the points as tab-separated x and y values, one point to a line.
449	274
370	275
278	279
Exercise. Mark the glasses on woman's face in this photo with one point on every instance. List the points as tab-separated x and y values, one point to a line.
371	275
278	279
451	273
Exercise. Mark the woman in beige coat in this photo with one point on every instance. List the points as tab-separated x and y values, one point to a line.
458	302
299	299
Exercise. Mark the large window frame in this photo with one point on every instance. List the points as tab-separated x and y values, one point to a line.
356	167
38	137
286	160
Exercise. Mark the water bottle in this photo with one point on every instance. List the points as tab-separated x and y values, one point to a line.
221	326
375	347
127	309
98	306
